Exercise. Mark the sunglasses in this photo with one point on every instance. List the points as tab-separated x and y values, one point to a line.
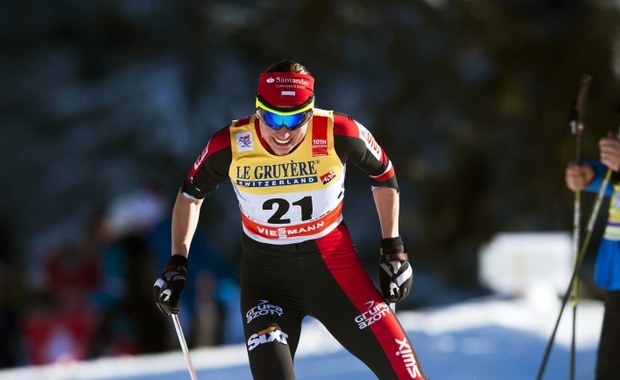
291	122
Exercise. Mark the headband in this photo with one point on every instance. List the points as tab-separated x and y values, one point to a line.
285	92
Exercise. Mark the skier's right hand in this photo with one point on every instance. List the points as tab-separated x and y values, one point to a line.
578	176
170	284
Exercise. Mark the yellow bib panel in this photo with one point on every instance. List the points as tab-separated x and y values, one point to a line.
612	230
291	198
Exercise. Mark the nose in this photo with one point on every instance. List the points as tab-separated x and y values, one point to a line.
283	132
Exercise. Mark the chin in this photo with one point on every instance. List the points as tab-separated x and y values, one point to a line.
280	151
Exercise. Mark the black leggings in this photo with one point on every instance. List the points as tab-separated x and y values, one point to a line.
607	362
324	278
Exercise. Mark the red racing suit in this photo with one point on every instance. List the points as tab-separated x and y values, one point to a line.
298	258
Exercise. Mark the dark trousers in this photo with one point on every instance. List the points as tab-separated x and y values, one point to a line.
323	278
608	357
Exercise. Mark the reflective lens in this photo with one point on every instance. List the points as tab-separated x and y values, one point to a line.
277	121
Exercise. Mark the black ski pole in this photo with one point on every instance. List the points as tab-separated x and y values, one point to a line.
578	262
577	112
580	108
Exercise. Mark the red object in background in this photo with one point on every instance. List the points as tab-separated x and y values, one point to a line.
70	267
55	337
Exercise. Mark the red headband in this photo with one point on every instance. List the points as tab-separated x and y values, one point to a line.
285	90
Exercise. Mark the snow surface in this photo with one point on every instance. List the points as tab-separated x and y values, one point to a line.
482	339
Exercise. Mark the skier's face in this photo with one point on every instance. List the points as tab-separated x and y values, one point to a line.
283	140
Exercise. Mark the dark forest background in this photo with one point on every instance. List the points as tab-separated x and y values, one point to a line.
470	99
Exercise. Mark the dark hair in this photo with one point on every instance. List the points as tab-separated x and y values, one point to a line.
287	66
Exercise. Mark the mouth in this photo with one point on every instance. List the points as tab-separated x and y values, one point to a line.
282	142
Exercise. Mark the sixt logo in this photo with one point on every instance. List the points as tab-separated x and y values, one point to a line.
406	353
268	335
263	308
376	311
325	178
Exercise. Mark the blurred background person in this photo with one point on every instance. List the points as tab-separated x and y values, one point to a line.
589	176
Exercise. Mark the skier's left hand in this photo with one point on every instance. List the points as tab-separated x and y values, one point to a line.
395	273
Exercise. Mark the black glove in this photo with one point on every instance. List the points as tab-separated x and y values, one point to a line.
170	284
395	273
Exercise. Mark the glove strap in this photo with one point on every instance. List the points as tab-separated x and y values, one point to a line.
176	261
401	256
392	249
392	245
